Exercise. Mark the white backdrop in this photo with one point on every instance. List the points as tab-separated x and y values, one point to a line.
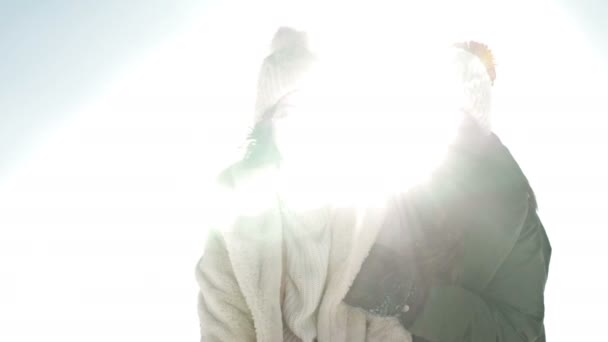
103	199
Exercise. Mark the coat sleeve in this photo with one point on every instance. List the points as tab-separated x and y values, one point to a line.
509	309
223	311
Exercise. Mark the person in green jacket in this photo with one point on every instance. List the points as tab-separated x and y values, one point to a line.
467	257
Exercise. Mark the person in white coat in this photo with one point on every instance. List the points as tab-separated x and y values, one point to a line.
273	270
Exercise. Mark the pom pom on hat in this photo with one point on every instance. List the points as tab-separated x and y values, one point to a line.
287	38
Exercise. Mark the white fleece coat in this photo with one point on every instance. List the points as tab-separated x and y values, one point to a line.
275	274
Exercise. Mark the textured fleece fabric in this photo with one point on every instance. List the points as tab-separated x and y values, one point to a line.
278	274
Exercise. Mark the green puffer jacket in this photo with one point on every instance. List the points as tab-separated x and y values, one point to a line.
476	221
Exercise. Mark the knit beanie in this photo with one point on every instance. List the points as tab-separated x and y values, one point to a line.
475	73
284	71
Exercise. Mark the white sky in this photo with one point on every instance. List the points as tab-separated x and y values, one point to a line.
102	216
